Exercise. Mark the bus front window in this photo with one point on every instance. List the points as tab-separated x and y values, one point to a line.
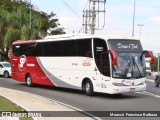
129	65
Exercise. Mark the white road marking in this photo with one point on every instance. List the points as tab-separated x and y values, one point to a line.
149	94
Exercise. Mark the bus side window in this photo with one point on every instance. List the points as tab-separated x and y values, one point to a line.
16	50
69	48
84	48
40	50
88	53
28	49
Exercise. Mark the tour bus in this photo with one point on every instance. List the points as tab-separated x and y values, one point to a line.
91	63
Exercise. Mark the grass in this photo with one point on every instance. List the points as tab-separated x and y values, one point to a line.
7	105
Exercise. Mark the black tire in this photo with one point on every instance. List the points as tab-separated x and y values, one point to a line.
6	74
118	95
29	80
88	88
156	82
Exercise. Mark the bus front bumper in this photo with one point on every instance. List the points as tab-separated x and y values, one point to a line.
127	89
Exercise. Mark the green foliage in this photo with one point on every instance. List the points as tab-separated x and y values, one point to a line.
154	66
15	23
7	105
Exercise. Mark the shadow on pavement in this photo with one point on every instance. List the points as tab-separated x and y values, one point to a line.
80	92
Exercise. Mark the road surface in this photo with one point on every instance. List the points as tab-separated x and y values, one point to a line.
146	101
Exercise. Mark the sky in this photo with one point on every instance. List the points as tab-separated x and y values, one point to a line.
118	20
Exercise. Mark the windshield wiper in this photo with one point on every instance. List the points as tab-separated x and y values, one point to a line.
127	69
135	64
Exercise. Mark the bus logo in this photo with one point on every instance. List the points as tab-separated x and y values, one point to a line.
86	63
22	62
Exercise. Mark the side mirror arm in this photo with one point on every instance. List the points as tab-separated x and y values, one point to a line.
114	57
151	55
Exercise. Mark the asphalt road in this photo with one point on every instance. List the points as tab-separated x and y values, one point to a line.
151	87
147	101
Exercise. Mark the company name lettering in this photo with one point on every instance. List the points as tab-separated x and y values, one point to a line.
86	63
129	46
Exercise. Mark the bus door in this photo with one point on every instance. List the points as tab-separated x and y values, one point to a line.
101	56
15	62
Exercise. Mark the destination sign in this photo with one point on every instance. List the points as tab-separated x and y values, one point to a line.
125	45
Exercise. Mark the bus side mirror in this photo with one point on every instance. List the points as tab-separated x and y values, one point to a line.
151	55
114	57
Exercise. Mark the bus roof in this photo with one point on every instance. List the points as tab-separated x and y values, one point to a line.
81	36
24	41
70	37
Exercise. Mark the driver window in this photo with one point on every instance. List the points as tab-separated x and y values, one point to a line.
101	56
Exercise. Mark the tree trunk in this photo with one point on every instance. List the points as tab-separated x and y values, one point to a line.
4	55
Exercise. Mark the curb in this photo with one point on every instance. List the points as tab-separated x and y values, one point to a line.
61	106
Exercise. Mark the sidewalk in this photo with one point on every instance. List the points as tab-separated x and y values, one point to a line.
31	102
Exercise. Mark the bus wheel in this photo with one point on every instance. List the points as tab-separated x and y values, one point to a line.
88	88
29	80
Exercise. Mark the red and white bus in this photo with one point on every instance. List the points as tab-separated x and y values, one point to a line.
88	62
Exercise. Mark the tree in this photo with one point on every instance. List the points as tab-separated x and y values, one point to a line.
15	24
154	66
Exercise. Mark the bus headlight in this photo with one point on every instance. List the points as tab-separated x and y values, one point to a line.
142	83
119	84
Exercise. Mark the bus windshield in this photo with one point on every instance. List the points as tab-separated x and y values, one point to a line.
129	65
130	59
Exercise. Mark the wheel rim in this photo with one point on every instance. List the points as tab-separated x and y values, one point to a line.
29	80
88	87
6	74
